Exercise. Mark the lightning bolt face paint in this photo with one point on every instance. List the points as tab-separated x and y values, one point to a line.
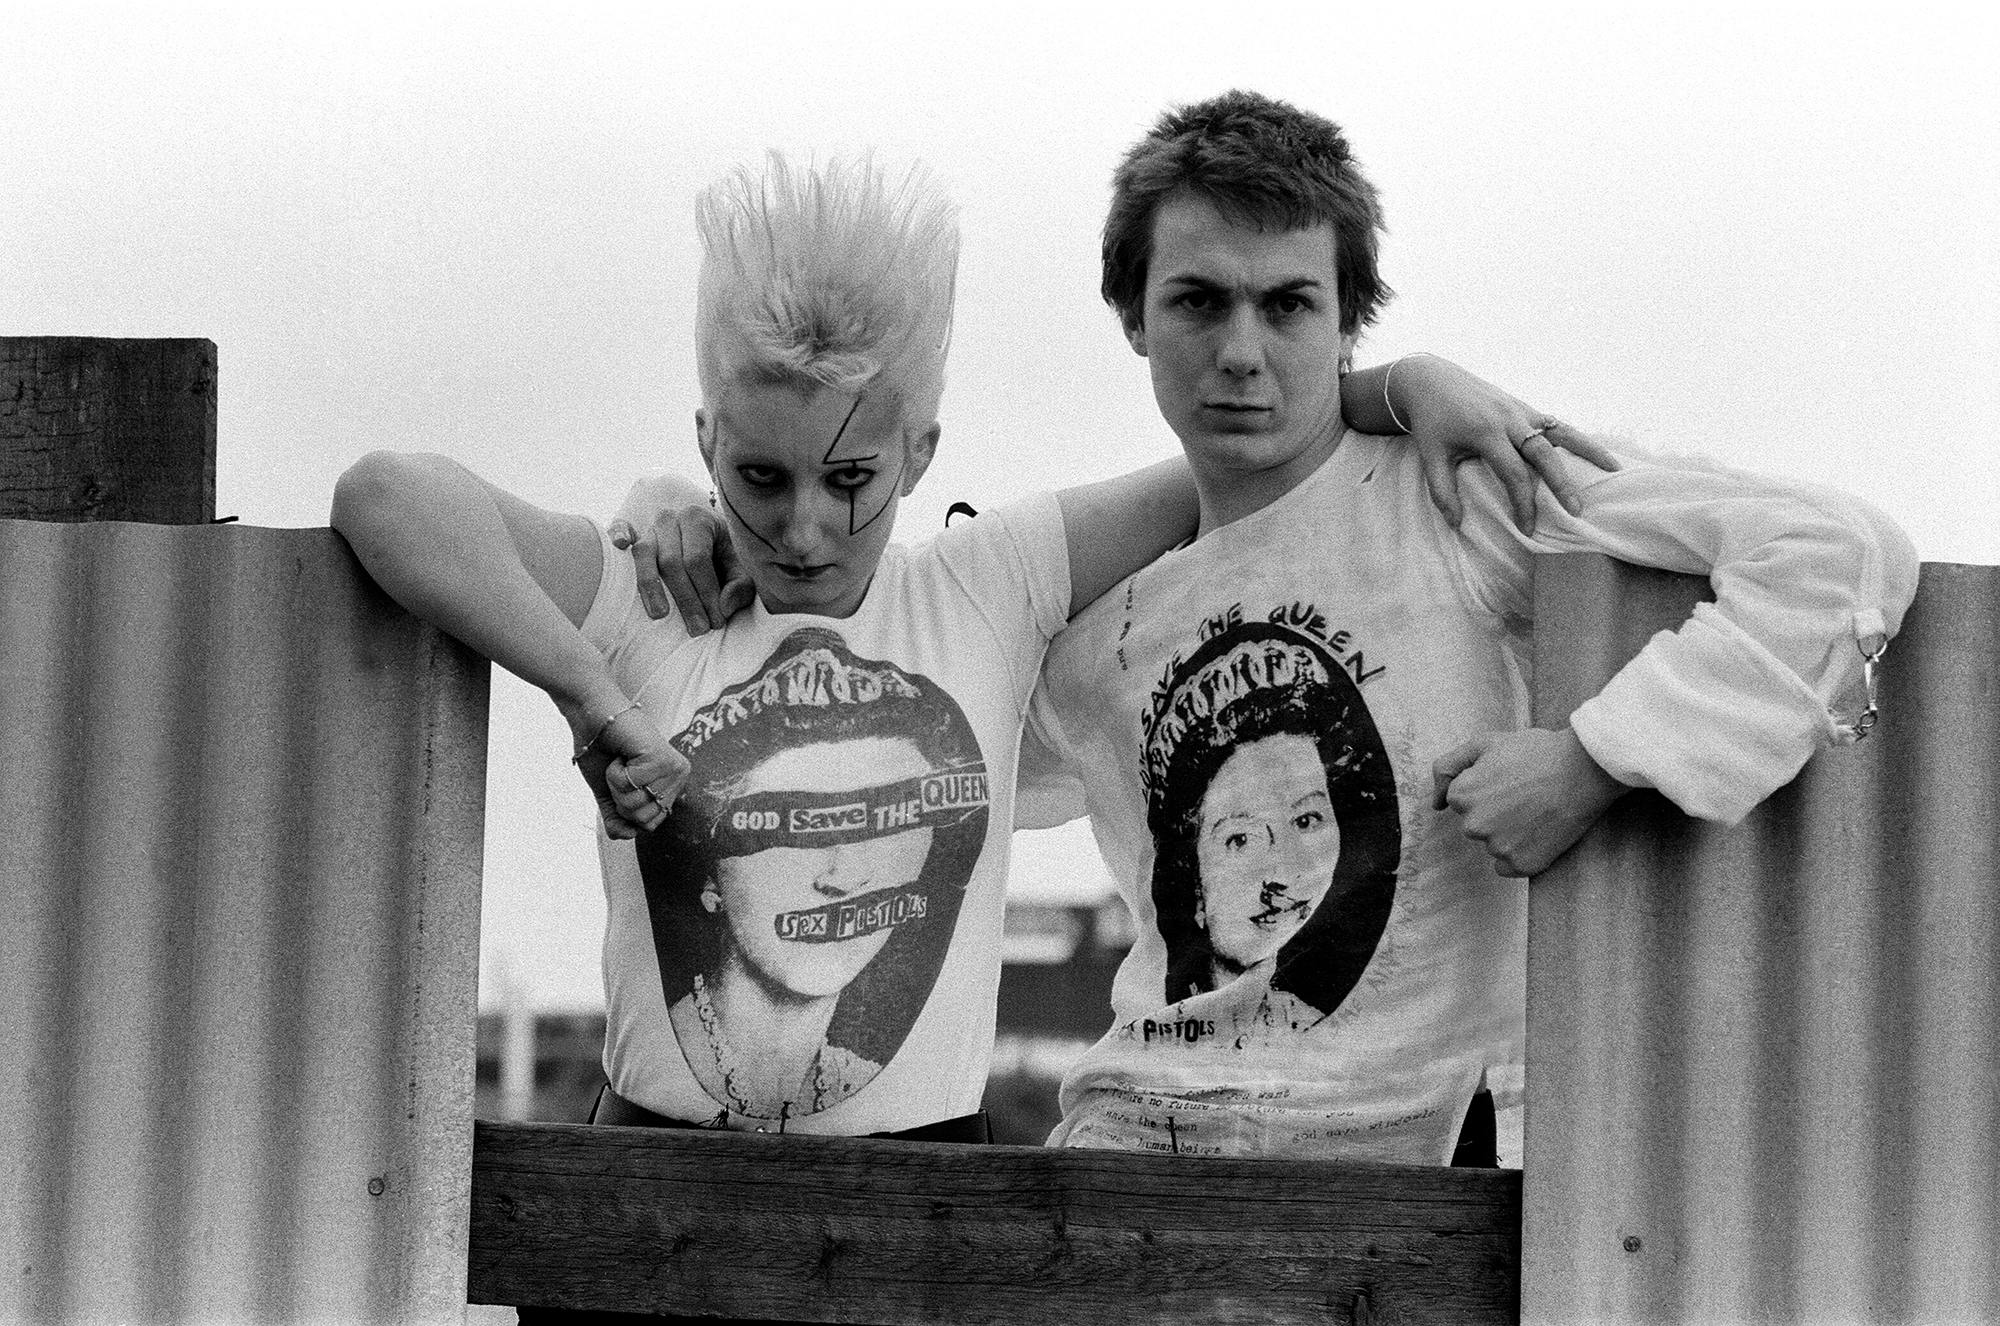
808	480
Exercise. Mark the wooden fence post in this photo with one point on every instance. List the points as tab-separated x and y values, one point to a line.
94	428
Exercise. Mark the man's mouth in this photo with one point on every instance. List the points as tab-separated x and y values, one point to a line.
1237	417
806	571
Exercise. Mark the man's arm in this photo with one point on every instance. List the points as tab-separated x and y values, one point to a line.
1526	797
682	554
1720	712
513	582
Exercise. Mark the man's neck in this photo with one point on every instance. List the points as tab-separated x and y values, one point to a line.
1228	495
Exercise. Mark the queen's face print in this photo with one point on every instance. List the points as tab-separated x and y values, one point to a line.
1276	832
773	902
806	887
1267	848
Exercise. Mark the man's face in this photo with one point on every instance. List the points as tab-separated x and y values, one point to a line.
1242	334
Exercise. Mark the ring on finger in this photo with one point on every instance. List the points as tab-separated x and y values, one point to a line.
1542	433
657	799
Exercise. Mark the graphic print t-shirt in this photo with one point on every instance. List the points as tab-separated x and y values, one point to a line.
1324	964
1318	970
811	942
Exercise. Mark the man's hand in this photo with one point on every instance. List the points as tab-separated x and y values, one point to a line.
635	774
1455	417
683	557
1524	796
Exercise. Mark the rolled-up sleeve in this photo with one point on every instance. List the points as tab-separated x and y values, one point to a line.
1722	711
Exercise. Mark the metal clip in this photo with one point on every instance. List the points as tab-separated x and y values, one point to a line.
1871	654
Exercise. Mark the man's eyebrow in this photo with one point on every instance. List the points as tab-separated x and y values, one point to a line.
1200	282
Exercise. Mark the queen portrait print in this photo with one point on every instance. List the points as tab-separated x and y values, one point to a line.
804	890
1274	817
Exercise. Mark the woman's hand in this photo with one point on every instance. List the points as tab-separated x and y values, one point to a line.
683	557
633	771
1454	417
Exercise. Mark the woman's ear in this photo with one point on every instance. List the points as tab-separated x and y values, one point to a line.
704	438
922	446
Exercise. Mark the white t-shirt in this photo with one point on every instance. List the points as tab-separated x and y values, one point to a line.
812	941
1324	964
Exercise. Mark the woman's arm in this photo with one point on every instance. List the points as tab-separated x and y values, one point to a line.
513	582
1453	416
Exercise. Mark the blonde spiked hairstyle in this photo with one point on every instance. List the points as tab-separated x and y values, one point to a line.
827	274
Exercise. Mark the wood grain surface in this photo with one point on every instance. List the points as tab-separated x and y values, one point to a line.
858	1230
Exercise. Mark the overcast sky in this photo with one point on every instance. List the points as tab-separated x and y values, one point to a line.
1772	237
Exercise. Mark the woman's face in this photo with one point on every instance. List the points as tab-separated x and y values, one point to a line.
1267	847
808	480
785	907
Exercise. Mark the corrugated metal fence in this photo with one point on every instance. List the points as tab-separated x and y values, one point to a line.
238	940
239	891
1764	1063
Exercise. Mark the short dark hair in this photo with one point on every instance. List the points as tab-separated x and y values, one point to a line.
1261	162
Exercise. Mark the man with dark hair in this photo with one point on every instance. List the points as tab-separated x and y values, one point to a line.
1260	163
1240	256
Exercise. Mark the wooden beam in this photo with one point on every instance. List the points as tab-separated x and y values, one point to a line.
100	429
854	1230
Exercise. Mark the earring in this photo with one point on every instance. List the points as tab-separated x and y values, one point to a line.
711	499
711	901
